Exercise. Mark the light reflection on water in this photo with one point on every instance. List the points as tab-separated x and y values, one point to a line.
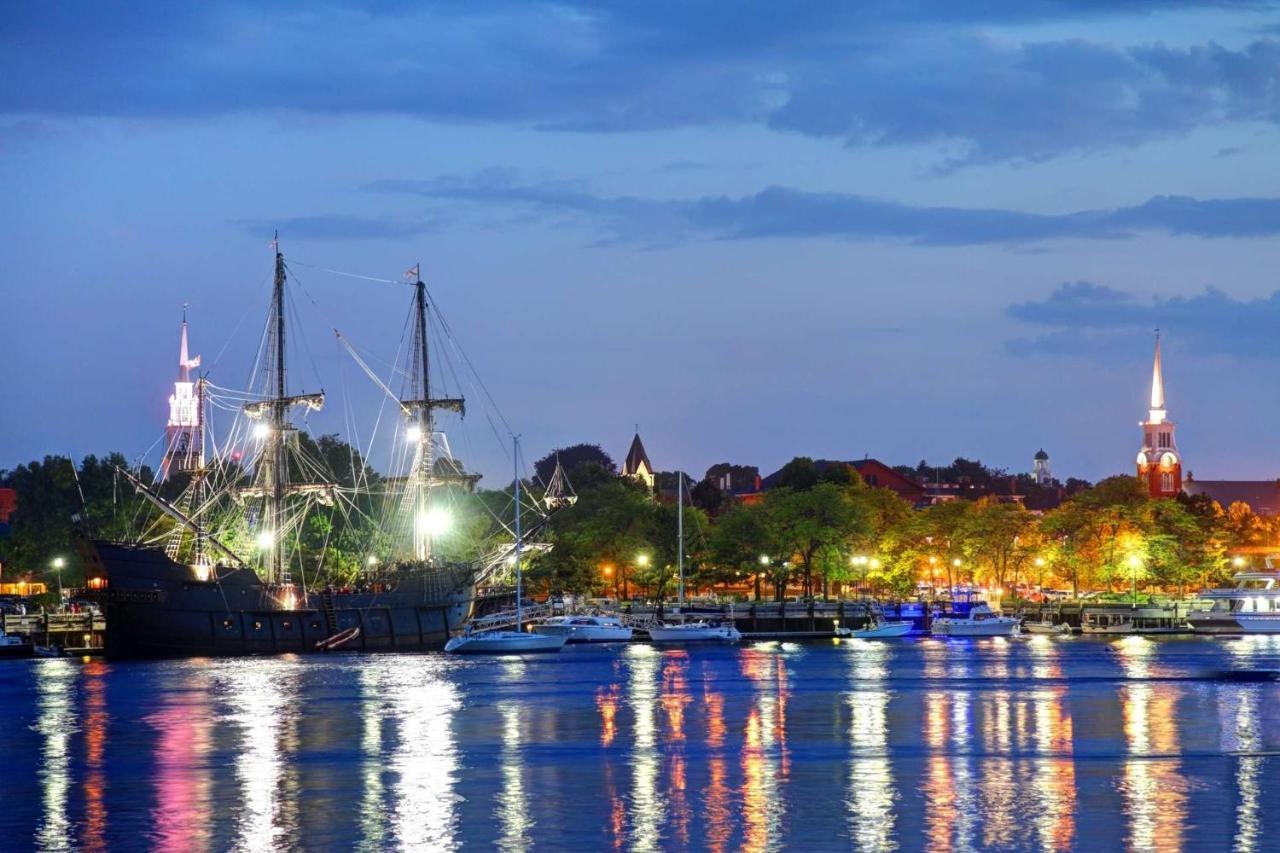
1039	744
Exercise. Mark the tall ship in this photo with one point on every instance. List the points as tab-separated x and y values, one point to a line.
221	568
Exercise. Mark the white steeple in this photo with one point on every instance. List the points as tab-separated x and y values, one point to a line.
1157	387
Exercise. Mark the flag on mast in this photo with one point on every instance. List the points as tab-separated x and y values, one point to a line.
412	273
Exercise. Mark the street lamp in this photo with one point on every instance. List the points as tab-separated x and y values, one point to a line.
764	560
642	560
58	564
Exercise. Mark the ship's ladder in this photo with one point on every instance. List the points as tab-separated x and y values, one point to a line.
330	612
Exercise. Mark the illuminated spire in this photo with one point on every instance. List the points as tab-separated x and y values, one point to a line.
184	362
1157	380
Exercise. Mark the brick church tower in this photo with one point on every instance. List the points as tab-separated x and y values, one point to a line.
1159	463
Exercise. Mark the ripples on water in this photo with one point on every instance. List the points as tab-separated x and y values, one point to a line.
1038	743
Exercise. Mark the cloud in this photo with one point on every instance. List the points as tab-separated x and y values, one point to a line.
336	227
1084	319
781	212
868	74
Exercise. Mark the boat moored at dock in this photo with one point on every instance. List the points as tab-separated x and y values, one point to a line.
585	629
981	621
1251	606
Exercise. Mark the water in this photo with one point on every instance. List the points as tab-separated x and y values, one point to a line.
1033	743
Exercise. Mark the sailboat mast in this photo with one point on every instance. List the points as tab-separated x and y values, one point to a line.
515	442
275	511
680	536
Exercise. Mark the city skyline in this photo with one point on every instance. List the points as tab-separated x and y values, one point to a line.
901	232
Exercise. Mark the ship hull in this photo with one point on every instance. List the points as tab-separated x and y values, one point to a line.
157	608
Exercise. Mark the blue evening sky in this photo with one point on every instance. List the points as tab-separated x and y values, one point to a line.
909	230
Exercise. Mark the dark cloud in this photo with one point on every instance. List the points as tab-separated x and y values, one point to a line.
336	227
784	212
1084	319
870	74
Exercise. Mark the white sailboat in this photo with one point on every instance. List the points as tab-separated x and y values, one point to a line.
517	642
700	631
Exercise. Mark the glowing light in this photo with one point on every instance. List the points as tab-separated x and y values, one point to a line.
201	571
261	431
875	563
764	559
265	539
58	563
642	560
1039	561
1238	562
413	434
433	522
1134	561
371	560
956	562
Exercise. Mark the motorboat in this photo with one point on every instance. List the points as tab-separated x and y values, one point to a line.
1126	619
585	629
878	629
1252	606
15	647
504	643
1045	625
981	621
694	632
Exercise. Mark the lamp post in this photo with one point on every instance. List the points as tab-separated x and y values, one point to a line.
58	564
1135	563
1040	575
764	568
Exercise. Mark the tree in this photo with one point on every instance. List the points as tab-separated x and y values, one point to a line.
570	458
741	537
800	474
809	523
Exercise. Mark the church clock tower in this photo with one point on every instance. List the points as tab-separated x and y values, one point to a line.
1159	463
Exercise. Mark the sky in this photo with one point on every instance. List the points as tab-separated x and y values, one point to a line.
906	230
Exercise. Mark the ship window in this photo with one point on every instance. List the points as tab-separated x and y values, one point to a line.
286	624
315	626
257	625
228	624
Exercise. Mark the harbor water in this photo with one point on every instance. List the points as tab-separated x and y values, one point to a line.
1032	743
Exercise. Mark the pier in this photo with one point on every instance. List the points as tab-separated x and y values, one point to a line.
74	633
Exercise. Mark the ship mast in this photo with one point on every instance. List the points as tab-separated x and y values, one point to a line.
421	409
276	432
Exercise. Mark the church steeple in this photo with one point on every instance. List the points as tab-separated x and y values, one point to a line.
1159	463
184	444
1157	386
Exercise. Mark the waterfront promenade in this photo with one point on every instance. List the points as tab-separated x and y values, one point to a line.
1026	744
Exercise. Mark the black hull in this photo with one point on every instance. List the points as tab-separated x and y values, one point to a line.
156	608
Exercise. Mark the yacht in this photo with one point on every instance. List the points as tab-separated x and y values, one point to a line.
1124	619
1044	624
694	632
503	643
585	629
981	621
1252	606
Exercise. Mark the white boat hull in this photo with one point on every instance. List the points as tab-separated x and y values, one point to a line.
503	643
883	631
1001	626
586	633
694	632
